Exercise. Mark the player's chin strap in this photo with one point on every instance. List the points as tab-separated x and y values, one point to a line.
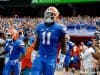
34	55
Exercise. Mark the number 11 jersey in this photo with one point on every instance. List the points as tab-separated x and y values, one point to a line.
49	37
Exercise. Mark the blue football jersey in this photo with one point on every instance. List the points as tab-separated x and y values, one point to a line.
15	48
8	43
67	49
49	38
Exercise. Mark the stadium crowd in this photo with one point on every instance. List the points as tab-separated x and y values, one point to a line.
73	20
82	56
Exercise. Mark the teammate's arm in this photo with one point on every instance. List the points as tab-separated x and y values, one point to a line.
63	49
35	51
63	45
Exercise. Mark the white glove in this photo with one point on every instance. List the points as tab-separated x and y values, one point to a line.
62	58
72	58
33	55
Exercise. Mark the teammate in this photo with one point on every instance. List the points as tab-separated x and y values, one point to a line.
61	65
70	46
16	50
48	35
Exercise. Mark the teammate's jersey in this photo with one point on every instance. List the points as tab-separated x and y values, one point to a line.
69	46
15	48
49	38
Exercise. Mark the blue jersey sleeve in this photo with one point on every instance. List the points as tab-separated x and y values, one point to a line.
37	30
63	30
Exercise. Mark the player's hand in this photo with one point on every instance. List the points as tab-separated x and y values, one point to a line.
62	58
34	55
59	66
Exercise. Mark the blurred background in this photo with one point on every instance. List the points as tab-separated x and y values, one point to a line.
66	7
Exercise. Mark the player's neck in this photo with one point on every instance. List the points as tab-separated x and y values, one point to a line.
49	24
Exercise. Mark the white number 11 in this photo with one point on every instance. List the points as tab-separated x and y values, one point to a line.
44	36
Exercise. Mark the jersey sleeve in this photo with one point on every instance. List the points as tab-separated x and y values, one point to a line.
63	30
37	29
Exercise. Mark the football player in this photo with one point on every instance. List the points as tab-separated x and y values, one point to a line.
48	35
69	45
16	51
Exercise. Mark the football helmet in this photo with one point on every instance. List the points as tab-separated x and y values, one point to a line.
50	14
13	34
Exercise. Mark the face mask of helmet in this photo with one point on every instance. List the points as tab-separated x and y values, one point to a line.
49	18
